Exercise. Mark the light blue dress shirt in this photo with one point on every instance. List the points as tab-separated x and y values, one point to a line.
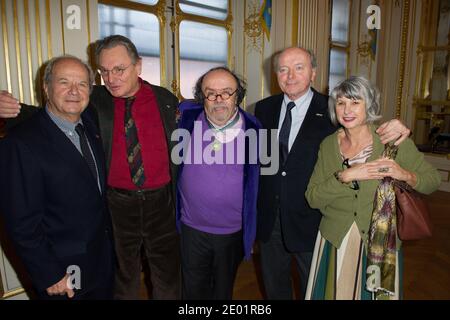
298	114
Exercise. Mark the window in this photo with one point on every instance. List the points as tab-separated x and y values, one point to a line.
339	45
200	38
216	9
151	2
203	38
202	47
139	26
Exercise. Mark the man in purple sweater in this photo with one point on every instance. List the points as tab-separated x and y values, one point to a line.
217	186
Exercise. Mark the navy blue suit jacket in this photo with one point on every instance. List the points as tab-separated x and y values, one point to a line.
284	194
54	211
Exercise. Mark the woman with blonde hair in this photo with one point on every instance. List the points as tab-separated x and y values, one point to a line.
357	253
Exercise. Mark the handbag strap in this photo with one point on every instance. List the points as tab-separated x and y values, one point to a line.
390	151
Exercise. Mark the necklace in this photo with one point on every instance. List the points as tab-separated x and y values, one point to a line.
217	144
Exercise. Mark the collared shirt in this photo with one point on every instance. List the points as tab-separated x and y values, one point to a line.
151	136
298	114
69	130
231	132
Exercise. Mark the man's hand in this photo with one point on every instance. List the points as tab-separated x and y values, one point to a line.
393	130
61	288
9	106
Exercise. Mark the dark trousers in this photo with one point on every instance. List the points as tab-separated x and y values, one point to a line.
209	263
276	263
145	219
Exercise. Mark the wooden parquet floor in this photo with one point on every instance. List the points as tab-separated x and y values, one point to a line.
426	262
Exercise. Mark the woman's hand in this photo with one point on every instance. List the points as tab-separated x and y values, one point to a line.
385	167
377	170
362	171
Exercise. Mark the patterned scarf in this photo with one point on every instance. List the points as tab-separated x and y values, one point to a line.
381	258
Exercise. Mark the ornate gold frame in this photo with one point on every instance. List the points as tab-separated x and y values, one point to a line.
424	67
404	40
49	27
17	46
5	43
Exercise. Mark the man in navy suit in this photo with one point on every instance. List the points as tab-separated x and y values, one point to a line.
52	187
287	226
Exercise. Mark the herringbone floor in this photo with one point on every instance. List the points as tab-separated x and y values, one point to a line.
426	262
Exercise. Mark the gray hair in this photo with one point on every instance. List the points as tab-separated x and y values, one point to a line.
48	73
114	41
312	57
357	88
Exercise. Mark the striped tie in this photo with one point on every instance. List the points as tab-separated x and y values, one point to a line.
134	155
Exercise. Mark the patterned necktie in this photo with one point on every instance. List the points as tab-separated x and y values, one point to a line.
85	150
134	155
283	137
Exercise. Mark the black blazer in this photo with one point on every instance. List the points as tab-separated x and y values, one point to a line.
284	192
102	110
53	209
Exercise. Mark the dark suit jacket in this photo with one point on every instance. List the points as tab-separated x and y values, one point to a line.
103	110
286	193
53	209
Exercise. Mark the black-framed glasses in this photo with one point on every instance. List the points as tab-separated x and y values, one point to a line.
346	165
224	95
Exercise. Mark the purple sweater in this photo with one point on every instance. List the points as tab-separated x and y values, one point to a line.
211	195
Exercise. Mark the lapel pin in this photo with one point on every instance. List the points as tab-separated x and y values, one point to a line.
168	106
319	114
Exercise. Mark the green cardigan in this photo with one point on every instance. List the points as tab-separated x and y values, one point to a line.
340	205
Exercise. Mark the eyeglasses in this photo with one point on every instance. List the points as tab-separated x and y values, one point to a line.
224	95
346	165
117	71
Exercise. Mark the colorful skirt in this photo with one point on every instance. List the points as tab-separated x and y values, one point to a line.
339	274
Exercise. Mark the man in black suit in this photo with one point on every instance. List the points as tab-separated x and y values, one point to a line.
287	226
136	120
52	174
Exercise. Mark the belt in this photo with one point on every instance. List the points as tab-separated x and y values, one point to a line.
137	193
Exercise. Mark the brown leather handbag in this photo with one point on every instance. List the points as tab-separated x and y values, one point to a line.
413	217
